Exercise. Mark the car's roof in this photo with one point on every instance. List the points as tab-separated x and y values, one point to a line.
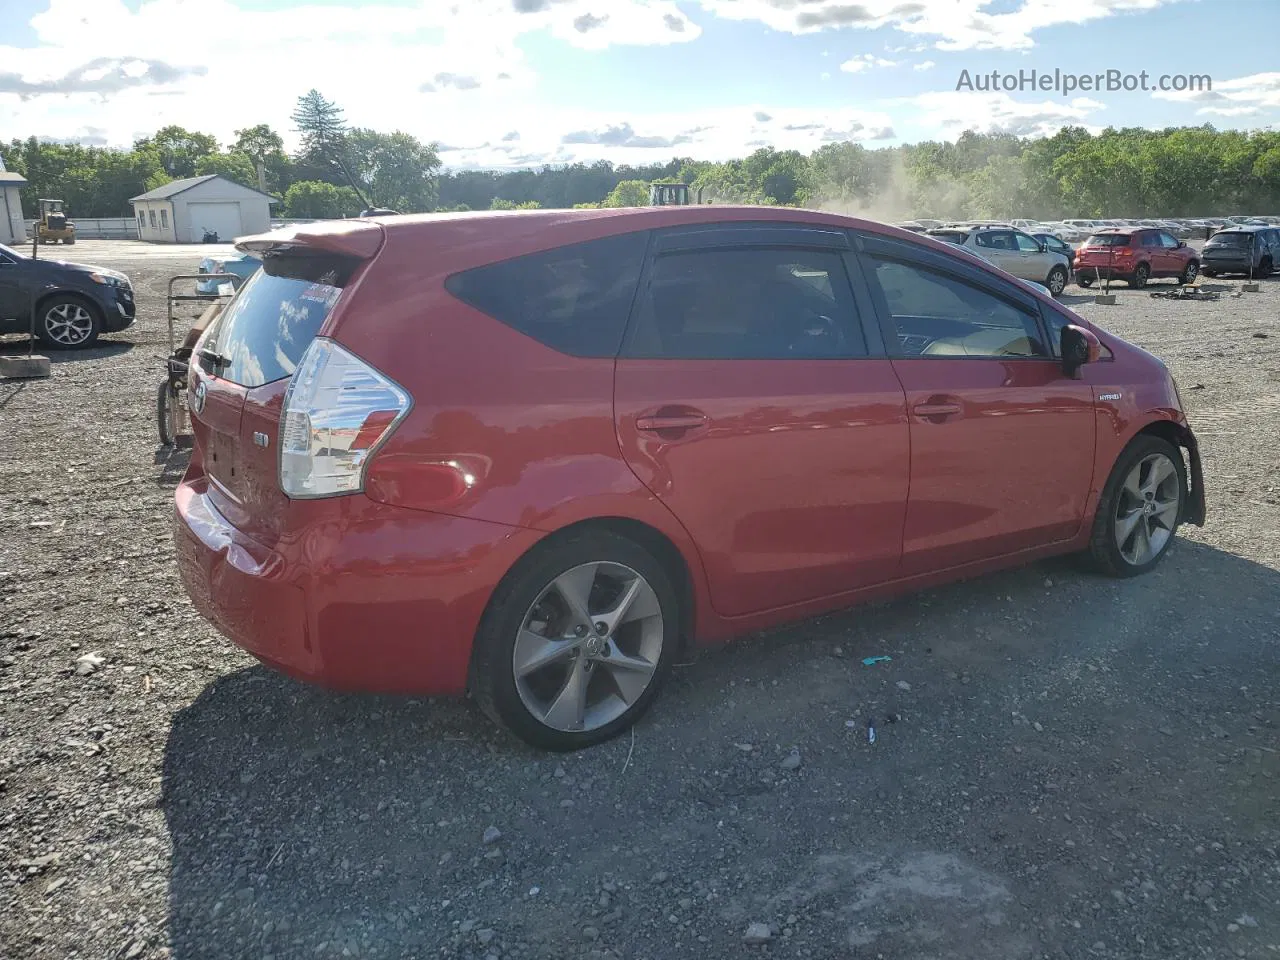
1247	228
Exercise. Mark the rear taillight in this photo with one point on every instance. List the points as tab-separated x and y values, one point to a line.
336	411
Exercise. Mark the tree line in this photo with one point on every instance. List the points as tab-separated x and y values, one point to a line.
339	170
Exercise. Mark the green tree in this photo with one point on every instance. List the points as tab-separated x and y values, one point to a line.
265	150
394	170
178	150
311	199
628	193
324	136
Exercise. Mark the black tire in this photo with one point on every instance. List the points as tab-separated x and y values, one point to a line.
1056	282
493	681
1084	281
1141	274
1209	273
53	313
1104	554
1190	273
69	240
168	414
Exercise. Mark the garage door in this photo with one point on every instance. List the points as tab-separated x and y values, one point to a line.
222	218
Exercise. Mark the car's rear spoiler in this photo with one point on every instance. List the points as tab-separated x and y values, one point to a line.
358	239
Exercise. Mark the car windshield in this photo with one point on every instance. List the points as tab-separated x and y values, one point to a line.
1231	239
1108	240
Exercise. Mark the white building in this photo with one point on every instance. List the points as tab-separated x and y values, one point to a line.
13	228
181	211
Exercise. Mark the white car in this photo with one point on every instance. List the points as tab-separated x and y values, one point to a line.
1013	251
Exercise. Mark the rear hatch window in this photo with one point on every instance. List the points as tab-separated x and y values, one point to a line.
1109	240
262	334
1230	240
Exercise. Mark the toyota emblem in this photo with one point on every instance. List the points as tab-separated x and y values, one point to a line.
197	397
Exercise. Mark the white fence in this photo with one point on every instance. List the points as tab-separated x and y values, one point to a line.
101	228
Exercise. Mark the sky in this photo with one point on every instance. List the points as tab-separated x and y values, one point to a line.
512	83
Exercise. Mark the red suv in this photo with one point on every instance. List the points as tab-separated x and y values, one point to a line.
1135	255
532	455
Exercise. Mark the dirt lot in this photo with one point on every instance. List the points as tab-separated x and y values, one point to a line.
1078	768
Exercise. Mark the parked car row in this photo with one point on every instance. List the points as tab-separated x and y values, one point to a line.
1074	231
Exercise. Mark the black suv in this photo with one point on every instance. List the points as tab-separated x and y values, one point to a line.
73	302
1249	250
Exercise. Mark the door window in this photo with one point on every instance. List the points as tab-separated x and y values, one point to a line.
738	304
573	298
938	315
1168	241
1026	244
995	240
1150	240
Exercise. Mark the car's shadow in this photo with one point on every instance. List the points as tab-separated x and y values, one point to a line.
305	823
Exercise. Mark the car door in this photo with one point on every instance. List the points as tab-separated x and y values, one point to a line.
1152	251
14	295
1172	261
998	247
1001	440
753	398
1034	261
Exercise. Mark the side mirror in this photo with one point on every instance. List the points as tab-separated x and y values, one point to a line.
1181	244
1079	346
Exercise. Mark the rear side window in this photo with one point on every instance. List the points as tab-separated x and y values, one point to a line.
748	304
264	331
574	298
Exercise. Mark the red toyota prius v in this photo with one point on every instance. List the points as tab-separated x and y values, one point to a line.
530	455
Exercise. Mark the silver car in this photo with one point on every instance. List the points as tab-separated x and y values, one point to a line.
1014	252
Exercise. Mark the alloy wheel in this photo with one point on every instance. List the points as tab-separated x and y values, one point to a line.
1147	509
69	324
588	647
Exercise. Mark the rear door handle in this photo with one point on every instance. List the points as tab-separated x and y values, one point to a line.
937	409
657	422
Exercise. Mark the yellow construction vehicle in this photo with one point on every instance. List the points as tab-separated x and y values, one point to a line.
53	225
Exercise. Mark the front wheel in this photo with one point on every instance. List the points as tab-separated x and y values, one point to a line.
1140	276
1084	281
1057	281
1190	273
64	322
1140	509
576	641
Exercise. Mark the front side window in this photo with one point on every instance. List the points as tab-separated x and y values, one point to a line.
574	298
1168	241
1027	244
938	315
744	304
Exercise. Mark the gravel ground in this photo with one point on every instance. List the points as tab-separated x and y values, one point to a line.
1065	767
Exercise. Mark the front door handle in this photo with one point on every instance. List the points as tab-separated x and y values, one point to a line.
937	409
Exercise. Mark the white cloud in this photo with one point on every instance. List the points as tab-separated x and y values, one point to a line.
866	61
949	25
924	65
956	111
1239	97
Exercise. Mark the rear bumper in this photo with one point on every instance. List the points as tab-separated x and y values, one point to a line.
1227	264
1103	272
364	597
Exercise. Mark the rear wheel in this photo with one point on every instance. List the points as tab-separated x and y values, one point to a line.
1140	276
576	641
168	414
1140	508
66	322
1084	280
1057	281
